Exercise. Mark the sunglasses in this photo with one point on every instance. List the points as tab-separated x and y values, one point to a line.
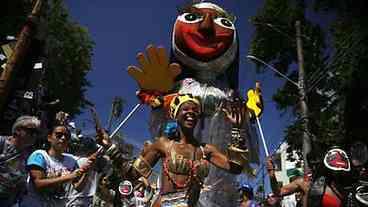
271	196
60	135
30	131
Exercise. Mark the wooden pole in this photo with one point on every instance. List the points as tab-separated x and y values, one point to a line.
17	58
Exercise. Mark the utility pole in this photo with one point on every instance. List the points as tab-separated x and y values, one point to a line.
307	146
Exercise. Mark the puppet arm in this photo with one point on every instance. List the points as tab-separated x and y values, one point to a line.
238	115
155	72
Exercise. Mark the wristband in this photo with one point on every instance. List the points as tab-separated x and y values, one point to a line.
78	172
238	138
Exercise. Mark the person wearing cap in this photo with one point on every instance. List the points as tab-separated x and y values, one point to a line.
358	152
14	151
246	193
330	180
185	161
326	189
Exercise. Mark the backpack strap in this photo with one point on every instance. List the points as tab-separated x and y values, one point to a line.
7	153
316	191
2	144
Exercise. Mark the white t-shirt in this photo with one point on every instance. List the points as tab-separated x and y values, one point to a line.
54	196
85	196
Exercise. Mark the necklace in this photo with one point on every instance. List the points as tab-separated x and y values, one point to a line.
173	181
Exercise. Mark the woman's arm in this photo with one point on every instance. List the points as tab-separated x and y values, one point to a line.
150	155
41	182
81	182
271	173
85	169
220	160
298	185
293	187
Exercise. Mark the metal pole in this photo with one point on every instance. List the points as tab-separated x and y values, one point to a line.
273	68
262	137
126	119
263	181
307	146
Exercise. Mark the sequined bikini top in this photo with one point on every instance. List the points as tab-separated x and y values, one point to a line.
175	163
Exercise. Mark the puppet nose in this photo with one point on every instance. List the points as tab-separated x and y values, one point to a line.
206	26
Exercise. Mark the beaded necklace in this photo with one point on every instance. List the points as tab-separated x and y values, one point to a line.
192	172
173	181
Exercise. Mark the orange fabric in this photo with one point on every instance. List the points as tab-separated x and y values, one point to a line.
157	202
330	201
167	100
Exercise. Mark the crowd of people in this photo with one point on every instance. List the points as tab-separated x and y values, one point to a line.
53	177
47	176
338	178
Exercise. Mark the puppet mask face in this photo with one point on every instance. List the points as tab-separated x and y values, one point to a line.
203	33
337	160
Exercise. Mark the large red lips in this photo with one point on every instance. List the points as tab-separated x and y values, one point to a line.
200	46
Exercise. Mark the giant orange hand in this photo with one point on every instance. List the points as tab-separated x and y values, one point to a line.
155	73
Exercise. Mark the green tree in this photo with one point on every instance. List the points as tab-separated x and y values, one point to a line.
350	40
274	42
69	52
117	108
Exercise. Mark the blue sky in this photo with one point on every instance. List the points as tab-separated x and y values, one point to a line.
121	29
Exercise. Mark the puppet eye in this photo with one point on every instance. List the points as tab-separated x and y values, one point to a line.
190	18
224	22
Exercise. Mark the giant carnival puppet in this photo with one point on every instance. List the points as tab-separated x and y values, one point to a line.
201	126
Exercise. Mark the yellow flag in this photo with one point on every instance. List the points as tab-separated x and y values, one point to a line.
255	100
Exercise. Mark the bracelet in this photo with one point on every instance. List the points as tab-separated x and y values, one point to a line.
113	152
235	133
111	149
78	172
238	137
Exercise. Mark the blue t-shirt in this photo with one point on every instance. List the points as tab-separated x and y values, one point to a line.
254	204
53	168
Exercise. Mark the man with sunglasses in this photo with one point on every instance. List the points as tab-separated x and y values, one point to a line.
14	151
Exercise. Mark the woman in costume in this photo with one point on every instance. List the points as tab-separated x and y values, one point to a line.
204	62
185	160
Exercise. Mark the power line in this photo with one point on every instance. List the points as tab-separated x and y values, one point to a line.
320	72
276	28
333	63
